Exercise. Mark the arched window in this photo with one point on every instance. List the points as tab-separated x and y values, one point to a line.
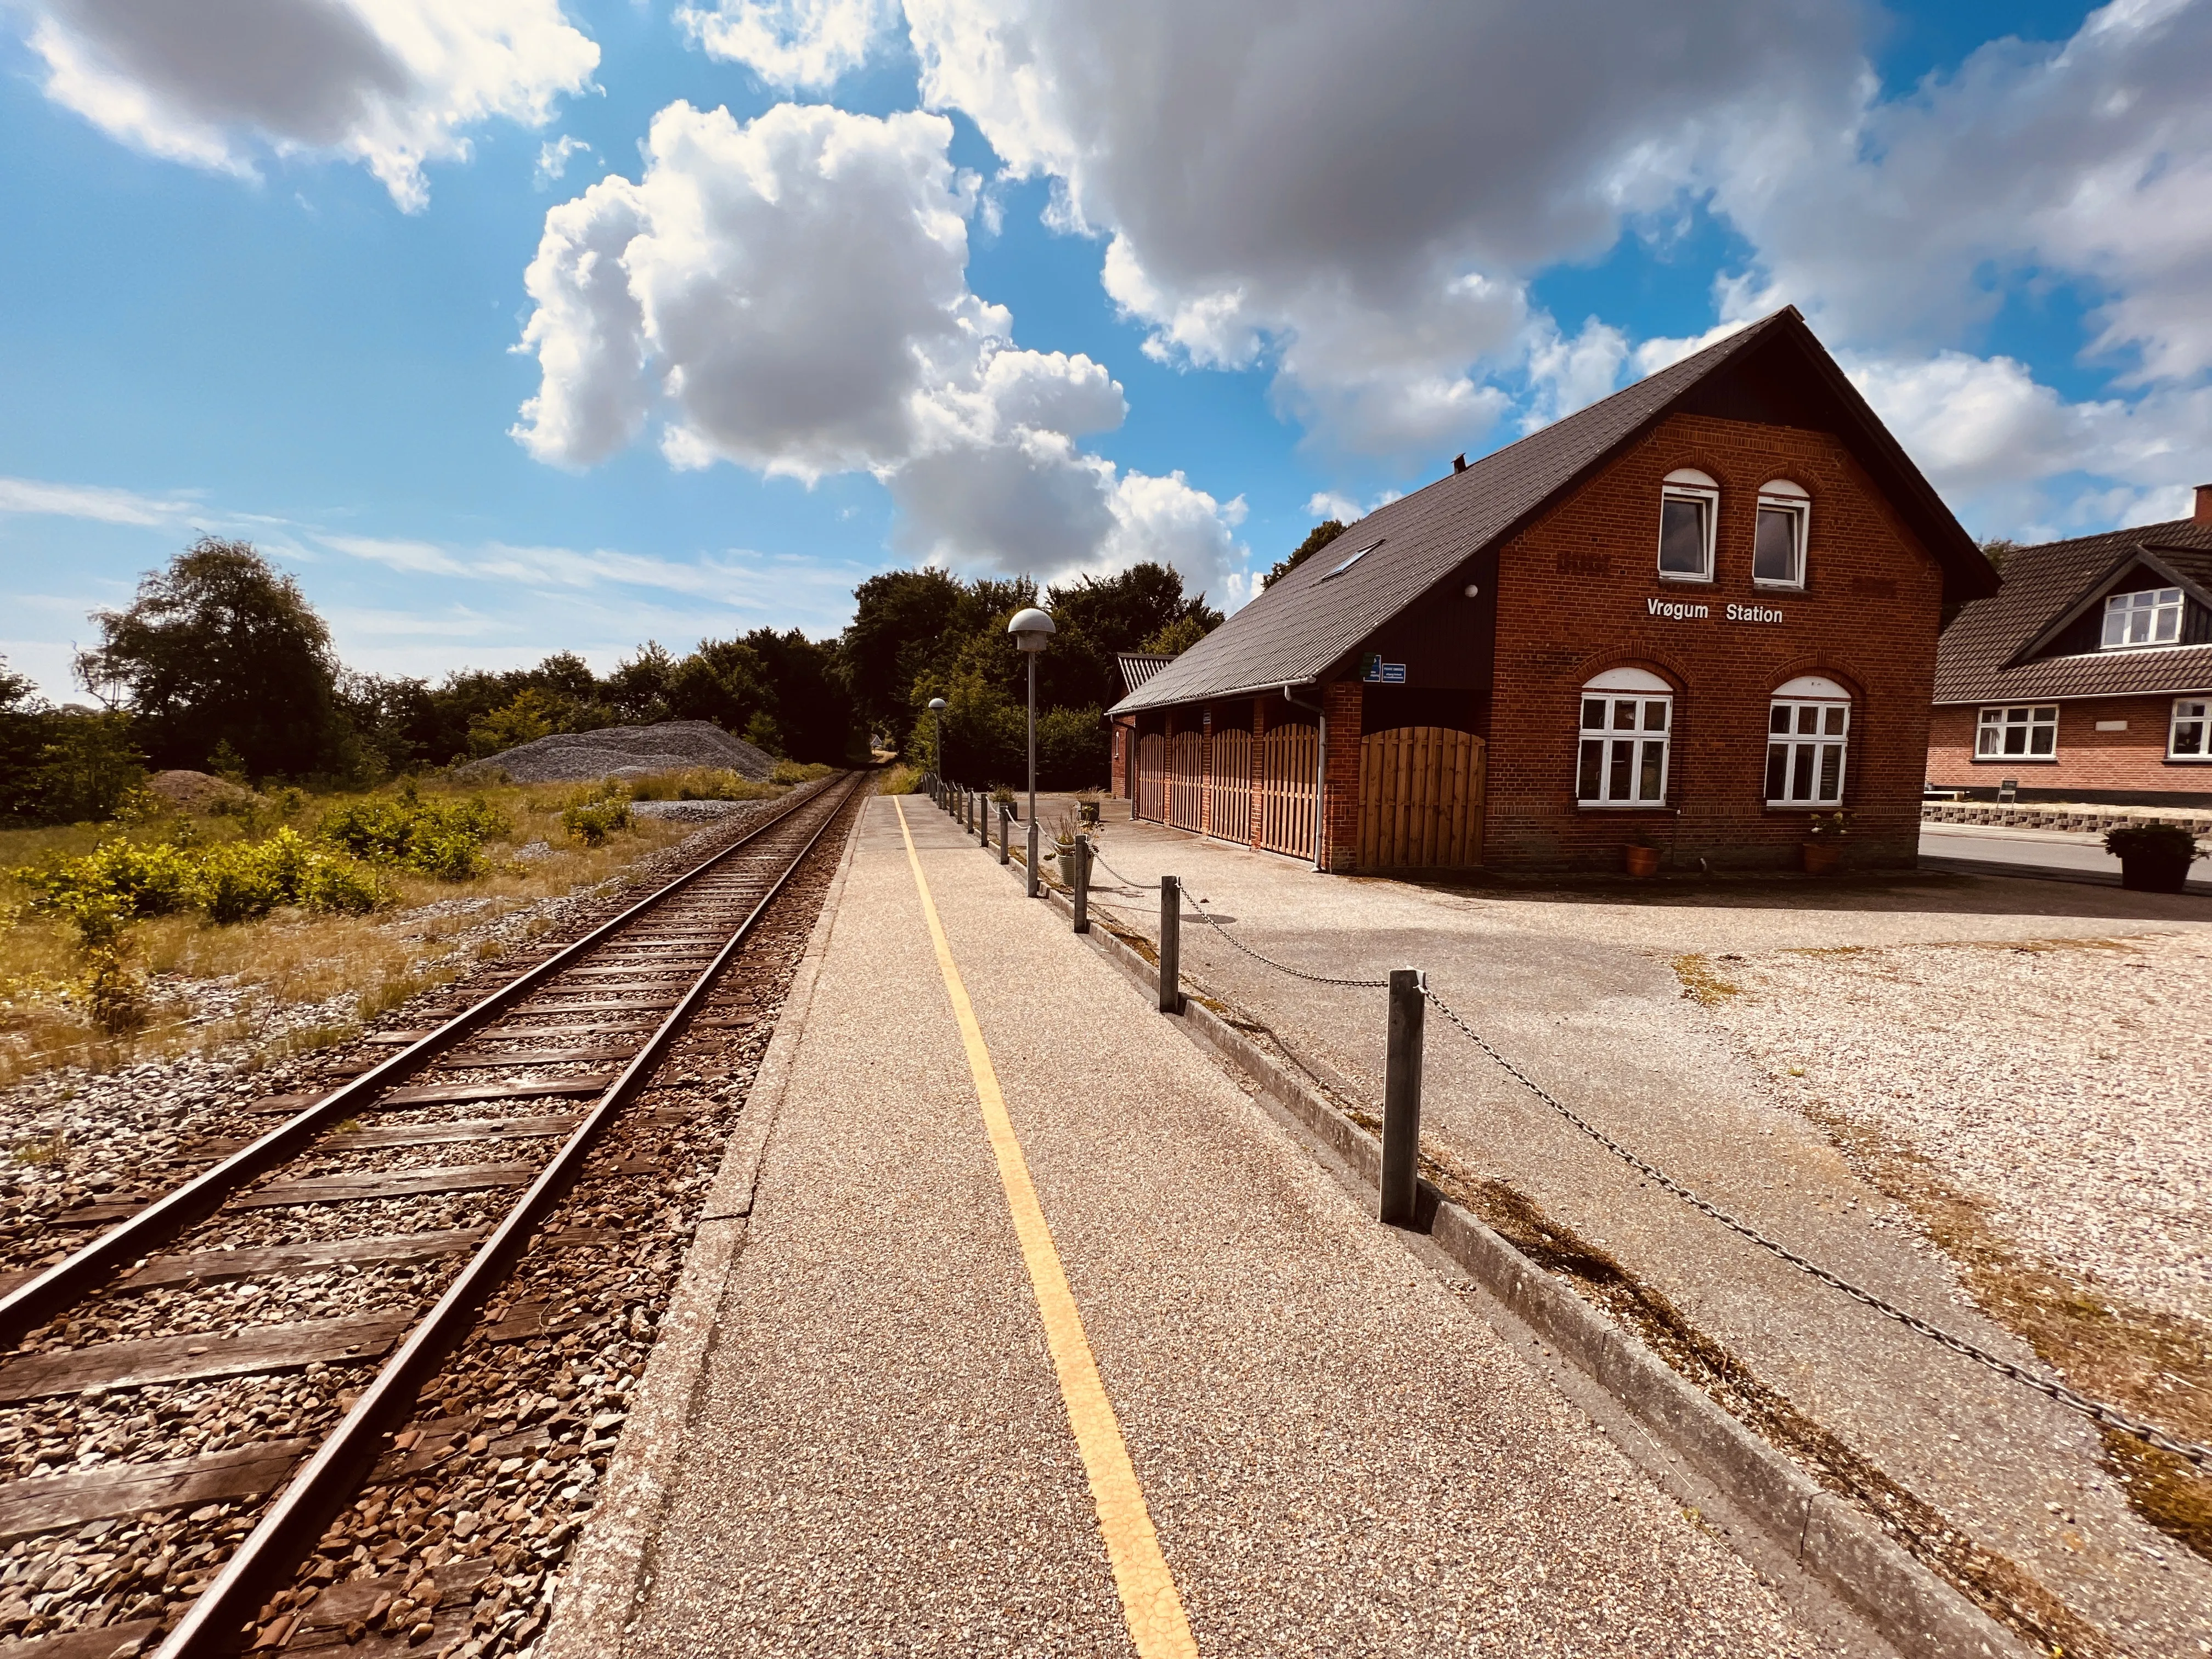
1778	548
1628	717
1809	729
1689	505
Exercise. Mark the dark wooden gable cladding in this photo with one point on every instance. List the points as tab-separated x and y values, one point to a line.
2083	634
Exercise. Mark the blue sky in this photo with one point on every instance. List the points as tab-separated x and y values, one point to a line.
1150	280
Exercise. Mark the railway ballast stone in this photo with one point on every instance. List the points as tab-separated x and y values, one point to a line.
617	751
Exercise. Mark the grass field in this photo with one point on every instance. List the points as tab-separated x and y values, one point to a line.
210	985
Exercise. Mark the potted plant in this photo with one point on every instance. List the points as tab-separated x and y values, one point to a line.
1086	807
2154	858
1824	849
1642	857
1064	828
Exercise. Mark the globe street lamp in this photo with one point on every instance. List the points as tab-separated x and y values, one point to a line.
937	760
1031	629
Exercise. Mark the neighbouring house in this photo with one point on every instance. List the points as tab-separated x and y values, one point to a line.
1688	617
2088	676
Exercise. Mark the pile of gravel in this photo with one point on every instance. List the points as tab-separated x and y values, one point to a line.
619	752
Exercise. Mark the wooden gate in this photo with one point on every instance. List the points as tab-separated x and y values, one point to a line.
1285	781
1229	803
1187	780
1151	777
1420	799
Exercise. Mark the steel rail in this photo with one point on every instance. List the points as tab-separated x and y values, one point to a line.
69	1280
218	1621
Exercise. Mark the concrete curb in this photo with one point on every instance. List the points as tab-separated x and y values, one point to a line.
612	1565
1830	1538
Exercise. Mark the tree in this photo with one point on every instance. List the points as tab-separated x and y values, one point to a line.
812	704
1100	616
1316	539
1997	550
903	626
223	648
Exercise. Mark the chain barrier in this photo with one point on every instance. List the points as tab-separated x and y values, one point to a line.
2096	1410
1221	929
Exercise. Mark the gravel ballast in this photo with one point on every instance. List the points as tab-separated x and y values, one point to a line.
616	751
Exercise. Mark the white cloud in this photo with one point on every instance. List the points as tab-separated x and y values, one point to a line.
1326	504
555	155
791	294
1565	374
390	83
789	42
1358	195
86	501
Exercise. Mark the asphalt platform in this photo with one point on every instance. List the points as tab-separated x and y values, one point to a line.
1041	1337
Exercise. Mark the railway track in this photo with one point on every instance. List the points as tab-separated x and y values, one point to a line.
477	1230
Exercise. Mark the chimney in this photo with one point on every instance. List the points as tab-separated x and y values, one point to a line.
2204	512
2203	492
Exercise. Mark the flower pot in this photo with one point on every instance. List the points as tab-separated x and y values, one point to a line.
1066	857
1821	857
1642	860
2155	869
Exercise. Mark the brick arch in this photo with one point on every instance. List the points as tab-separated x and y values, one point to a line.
1854	682
1597	662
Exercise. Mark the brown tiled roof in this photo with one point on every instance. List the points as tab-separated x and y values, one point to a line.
1310	620
2041	585
1138	666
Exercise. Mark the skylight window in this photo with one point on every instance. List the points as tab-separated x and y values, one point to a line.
1353	560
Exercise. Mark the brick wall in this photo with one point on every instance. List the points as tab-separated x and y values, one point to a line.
1339	817
1125	740
1572	601
2090	765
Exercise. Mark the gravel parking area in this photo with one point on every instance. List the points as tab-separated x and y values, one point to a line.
2061	1082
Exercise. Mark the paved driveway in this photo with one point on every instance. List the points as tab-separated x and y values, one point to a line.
1577	985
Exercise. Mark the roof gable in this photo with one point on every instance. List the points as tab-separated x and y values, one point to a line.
2001	648
1311	620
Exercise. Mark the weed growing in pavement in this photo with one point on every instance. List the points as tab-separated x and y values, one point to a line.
46	1151
1700	983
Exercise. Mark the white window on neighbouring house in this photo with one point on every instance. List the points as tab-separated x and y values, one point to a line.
1809	732
1689	505
2191	735
1627	719
2150	617
1777	548
2022	732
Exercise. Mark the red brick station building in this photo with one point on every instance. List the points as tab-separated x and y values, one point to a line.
1688	617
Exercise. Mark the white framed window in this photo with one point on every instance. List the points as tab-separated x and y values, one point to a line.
2150	617
1777	547
1808	733
2190	738
1620	758
1689	505
2021	732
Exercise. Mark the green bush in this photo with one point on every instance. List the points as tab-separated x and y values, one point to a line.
441	840
119	881
791	772
592	821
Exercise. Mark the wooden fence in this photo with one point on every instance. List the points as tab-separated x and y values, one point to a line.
1285	781
1152	778
1187	780
1229	800
1420	799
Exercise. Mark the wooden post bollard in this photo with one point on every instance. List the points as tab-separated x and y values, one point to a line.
984	807
1170	945
1082	883
1006	833
1401	1100
1035	881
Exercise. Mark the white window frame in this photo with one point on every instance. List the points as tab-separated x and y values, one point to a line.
2165	605
1688	484
1780	496
1627	754
2193	712
1812	746
2026	719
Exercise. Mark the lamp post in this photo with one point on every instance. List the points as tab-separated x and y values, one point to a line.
1031	629
937	761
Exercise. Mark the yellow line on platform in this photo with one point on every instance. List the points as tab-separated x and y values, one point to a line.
1150	1602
